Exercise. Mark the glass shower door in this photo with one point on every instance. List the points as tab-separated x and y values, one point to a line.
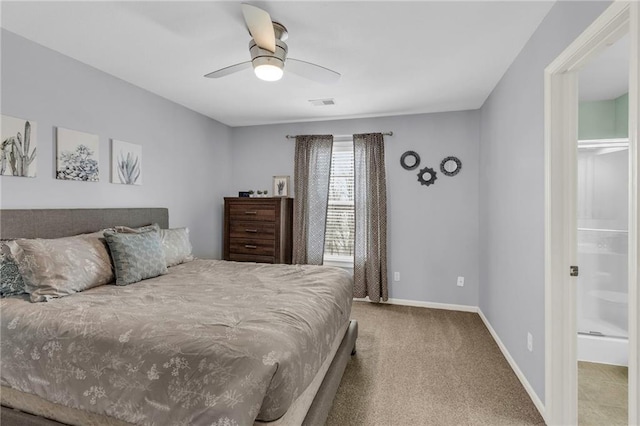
602	237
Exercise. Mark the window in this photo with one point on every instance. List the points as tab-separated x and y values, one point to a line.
338	244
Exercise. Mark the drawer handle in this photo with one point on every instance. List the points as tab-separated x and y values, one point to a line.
253	231
250	212
250	246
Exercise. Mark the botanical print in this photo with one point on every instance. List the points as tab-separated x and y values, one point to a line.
77	155
126	163
18	149
281	186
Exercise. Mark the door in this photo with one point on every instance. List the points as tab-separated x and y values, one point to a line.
561	227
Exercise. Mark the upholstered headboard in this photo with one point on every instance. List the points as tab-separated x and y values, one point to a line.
56	223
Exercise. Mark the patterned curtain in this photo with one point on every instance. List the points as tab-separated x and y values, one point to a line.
370	254
311	180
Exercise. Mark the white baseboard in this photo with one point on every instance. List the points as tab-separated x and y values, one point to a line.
527	386
421	304
432	305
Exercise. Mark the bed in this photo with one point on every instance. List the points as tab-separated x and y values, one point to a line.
210	342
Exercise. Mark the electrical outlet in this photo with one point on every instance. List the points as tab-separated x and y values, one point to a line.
530	342
460	281
396	276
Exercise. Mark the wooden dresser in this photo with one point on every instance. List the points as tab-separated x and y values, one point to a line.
258	229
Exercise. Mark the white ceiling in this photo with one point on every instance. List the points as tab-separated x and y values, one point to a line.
395	57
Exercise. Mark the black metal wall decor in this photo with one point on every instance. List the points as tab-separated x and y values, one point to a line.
451	166
410	160
427	176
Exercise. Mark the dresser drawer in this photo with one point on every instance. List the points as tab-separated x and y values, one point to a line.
251	246
252	211
251	258
255	229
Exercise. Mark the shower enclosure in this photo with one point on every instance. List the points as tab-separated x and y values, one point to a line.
603	175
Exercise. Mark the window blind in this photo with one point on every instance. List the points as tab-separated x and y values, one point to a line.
340	214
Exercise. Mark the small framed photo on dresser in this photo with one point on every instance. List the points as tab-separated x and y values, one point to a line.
281	186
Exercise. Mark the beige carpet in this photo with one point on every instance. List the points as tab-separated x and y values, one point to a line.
418	366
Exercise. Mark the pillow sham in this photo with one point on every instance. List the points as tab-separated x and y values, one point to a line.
136	256
11	282
176	245
58	267
127	230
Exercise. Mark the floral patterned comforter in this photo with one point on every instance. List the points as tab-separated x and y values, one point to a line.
211	342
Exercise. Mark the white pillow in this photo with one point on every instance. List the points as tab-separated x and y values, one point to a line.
176	245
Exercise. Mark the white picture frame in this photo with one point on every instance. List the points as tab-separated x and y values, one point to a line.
126	163
18	147
281	186
77	155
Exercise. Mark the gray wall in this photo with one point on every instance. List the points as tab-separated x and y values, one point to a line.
433	231
186	156
512	190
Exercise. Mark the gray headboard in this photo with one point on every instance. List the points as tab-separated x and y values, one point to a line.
56	223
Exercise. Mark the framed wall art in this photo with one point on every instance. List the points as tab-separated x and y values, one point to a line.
281	186
77	155
126	163
18	148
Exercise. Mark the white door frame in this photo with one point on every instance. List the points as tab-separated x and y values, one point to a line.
561	125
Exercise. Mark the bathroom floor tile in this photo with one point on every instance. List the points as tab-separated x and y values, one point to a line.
602	394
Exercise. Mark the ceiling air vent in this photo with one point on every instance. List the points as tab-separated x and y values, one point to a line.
322	102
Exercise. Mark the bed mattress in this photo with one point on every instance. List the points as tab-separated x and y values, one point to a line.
212	342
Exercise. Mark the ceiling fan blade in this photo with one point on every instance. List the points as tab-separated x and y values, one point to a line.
260	26
312	71
229	70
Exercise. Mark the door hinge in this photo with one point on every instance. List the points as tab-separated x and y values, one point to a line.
573	271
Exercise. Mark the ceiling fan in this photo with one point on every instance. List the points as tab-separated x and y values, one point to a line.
269	52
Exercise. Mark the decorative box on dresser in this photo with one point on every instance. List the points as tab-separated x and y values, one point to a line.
258	229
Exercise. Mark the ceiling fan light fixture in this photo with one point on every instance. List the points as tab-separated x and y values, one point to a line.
268	66
268	72
269	52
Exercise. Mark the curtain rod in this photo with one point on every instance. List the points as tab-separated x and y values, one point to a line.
339	136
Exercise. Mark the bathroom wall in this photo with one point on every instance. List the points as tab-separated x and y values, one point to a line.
604	119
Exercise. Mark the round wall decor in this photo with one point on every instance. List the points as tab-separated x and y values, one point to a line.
427	176
410	160
451	166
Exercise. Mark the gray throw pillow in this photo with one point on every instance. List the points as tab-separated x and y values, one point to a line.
58	267
136	256
11	283
127	230
176	245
